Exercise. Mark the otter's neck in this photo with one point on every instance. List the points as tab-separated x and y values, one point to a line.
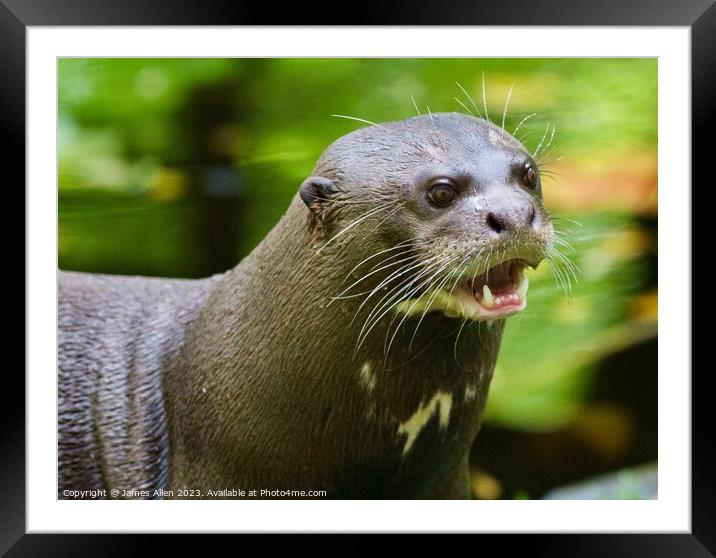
272	351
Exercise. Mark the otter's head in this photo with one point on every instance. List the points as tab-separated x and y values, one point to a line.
453	206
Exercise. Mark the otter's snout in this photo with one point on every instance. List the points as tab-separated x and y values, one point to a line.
513	218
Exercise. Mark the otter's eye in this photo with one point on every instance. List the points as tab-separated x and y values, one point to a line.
531	177
442	193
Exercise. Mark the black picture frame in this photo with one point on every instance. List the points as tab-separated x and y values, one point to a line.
17	15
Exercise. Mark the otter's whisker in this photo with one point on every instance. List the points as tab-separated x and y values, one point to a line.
507	102
562	218
525	119
557	274
381	268
357	119
477	268
549	172
568	264
464	106
458	272
405	244
397	208
396	291
365	216
556	251
425	285
415	105
342	295
488	265
435	291
341	202
394	275
564	243
437	134
430	291
551	137
564	270
484	98
470	98
403	289
425	268
457	339
398	273
371	320
544	136
524	136
543	159
409	249
563	281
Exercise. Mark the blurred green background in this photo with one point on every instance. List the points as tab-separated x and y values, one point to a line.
179	167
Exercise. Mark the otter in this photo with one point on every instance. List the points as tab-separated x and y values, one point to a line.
350	352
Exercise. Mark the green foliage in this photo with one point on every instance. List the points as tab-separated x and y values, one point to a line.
549	350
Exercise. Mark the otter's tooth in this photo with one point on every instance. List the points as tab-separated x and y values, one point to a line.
522	290
487	296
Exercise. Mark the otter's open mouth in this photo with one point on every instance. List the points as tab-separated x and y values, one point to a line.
497	293
500	291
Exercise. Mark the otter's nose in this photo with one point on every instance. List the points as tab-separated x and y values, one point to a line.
511	219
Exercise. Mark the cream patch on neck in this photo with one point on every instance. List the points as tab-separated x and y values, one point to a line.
415	424
367	376
470	392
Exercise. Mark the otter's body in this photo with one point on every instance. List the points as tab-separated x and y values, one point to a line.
117	336
275	375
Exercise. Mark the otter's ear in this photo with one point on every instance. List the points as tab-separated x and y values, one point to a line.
316	192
